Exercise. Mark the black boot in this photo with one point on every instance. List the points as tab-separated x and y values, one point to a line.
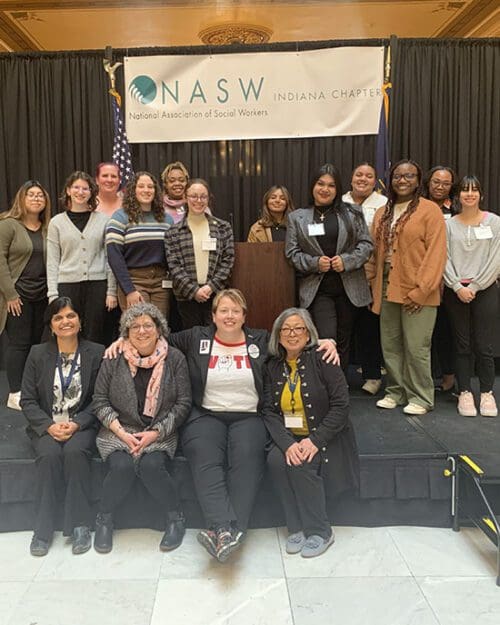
82	541
103	539
174	533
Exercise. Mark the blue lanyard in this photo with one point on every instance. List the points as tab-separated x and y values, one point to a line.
292	385
65	382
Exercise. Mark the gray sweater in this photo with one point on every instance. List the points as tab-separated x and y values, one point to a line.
74	256
472	258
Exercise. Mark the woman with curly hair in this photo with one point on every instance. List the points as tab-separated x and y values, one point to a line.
277	203
76	257
405	272
135	244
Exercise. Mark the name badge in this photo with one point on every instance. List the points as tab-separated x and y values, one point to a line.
209	245
166	284
447	216
483	232
253	350
293	420
204	346
316	230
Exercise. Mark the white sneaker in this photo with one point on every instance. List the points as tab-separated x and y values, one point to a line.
414	409
13	401
386	402
488	406
372	386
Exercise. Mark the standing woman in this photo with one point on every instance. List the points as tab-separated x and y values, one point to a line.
56	397
405	271
328	244
76	257
367	329
439	185
23	279
471	295
277	203
107	177
135	244
175	177
200	252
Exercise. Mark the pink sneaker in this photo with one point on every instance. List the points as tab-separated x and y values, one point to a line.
466	406
488	405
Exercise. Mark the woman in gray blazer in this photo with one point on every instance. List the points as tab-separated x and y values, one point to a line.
328	243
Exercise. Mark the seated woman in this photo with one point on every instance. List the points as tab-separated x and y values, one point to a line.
56	397
313	447
141	399
277	203
224	437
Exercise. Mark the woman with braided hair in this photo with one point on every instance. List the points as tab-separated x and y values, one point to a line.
405	273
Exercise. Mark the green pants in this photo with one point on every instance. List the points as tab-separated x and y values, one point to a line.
406	345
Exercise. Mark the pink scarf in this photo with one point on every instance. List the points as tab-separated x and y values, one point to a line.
155	360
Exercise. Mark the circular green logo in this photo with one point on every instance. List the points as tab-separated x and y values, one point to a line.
143	89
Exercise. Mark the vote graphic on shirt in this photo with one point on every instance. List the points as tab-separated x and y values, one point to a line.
230	380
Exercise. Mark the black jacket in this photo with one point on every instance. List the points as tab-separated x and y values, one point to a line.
326	403
38	382
190	344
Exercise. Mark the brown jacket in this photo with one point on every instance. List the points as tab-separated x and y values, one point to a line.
259	234
417	262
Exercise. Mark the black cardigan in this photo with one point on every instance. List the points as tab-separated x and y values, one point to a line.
38	383
326	403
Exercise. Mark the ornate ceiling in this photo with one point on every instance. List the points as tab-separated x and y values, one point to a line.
76	25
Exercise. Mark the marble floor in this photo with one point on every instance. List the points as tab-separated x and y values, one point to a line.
370	576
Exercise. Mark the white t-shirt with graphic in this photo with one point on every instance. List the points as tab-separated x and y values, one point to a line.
230	383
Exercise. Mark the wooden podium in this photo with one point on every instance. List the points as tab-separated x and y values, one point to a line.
263	274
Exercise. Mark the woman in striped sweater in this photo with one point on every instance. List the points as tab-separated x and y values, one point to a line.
135	244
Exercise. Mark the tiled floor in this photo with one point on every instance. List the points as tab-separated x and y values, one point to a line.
371	576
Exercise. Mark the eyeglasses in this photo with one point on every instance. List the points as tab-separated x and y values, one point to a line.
298	331
147	327
198	198
408	176
35	196
440	183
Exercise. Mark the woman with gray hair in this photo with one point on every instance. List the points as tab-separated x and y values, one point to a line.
141	398
306	412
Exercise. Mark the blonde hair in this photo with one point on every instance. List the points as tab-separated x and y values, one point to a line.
235	295
170	167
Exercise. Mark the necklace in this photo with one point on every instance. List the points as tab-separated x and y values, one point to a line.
324	214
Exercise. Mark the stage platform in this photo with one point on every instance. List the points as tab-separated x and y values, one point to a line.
403	460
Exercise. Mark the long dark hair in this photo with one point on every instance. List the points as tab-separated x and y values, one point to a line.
385	233
266	220
467	181
72	178
345	211
131	204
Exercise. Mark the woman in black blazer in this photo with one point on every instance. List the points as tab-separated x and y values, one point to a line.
56	395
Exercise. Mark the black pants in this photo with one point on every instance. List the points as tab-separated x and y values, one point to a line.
442	345
333	313
151	469
194	314
226	455
302	493
367	332
474	326
22	332
63	474
90	299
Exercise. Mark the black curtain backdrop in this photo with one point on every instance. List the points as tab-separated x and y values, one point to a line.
56	117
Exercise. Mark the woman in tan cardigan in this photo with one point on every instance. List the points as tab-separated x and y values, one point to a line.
405	273
276	204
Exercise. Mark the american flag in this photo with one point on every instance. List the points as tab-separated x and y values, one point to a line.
121	148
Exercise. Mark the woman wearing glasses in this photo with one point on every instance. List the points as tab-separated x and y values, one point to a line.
135	244
23	278
439	184
76	257
313	449
200	252
405	272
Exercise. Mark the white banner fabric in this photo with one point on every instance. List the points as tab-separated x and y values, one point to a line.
264	95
